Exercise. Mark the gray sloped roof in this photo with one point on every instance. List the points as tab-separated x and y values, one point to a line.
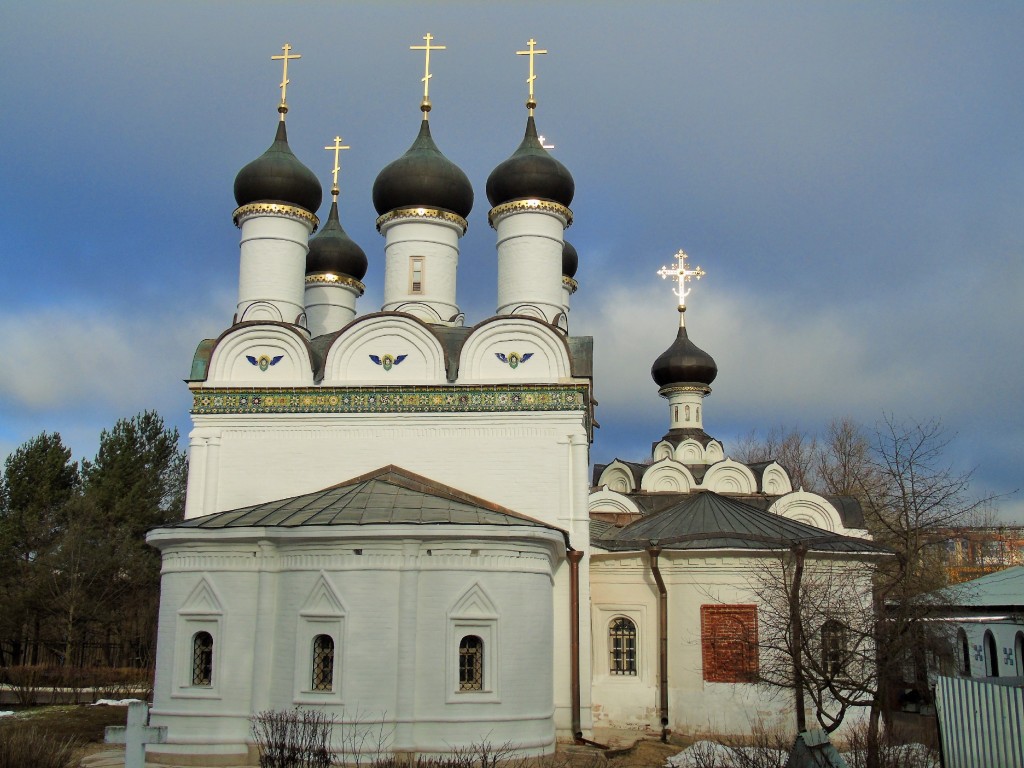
386	495
706	520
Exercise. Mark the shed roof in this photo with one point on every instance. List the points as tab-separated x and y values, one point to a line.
1002	589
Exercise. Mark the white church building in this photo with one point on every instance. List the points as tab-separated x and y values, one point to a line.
392	516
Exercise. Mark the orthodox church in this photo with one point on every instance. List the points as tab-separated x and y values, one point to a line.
391	516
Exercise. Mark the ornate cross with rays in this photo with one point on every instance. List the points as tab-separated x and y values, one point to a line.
425	106
531	102
285	57
681	274
337	146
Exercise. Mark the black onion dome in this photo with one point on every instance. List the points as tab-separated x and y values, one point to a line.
278	176
531	172
423	178
332	250
570	259
684	363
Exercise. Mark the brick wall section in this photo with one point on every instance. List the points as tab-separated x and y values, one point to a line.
729	643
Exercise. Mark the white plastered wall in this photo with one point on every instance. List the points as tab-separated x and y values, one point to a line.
437	242
271	277
404	593
622	585
535	463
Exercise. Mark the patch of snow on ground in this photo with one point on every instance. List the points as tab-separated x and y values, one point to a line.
114	702
707	753
6	713
703	754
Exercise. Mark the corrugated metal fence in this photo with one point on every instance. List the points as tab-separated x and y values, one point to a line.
981	724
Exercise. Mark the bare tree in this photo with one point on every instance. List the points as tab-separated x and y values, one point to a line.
844	641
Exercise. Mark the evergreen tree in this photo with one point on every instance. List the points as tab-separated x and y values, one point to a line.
136	482
39	481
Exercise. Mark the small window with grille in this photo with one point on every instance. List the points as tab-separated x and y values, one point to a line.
323	663
833	648
622	646
416	274
202	659
471	664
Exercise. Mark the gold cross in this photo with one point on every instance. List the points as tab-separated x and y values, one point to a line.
425	106
681	274
285	57
531	102
337	146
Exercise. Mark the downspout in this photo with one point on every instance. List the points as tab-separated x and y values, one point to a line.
574	556
654	550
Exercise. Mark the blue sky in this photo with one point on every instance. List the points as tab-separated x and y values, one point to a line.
850	176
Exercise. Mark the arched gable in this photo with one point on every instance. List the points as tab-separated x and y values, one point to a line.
261	355
728	476
617	477
605	500
689	452
508	349
713	452
385	349
667	475
810	508
775	480
663	450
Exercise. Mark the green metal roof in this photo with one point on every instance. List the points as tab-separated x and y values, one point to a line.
387	495
1001	589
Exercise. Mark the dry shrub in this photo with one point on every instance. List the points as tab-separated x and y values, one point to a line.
293	738
893	752
33	748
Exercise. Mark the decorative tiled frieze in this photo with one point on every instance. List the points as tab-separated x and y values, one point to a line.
396	399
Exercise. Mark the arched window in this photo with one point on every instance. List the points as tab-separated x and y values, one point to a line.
471	664
991	659
323	663
686	412
1018	653
833	647
202	659
965	653
698	413
622	646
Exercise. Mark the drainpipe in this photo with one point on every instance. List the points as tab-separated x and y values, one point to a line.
654	550
574	556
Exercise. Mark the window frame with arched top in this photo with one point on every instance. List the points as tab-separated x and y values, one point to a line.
471	664
835	648
991	654
622	646
202	659
323	656
963	652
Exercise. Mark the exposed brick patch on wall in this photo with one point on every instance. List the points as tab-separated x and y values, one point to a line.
728	636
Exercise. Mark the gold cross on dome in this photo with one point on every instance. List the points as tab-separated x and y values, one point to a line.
681	274
285	57
425	106
531	102
337	146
